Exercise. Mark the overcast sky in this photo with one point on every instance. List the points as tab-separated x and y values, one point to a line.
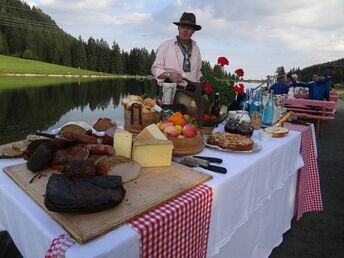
256	35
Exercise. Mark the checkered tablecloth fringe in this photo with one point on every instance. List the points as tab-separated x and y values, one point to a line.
308	197
178	228
59	246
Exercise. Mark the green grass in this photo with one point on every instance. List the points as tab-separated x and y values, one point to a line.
20	66
15	82
14	65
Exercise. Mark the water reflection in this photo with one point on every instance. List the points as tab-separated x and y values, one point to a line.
26	110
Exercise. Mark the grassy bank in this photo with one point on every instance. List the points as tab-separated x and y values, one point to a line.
8	82
13	66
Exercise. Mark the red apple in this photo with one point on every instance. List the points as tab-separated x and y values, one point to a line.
212	117
189	131
171	131
206	117
164	124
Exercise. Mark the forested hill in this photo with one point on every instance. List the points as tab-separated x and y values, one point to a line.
335	69
27	32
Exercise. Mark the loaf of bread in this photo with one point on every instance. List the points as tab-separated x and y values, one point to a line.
118	166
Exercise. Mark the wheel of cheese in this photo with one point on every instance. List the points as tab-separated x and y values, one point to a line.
276	131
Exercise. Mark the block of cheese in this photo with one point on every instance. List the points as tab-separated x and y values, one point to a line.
150	132
123	142
152	153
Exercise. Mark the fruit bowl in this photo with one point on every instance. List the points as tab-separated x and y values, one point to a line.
188	146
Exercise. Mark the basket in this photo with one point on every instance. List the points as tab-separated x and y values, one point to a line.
135	120
187	146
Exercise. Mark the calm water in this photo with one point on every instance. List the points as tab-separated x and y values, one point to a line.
24	110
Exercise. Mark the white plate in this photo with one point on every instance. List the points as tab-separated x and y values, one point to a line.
256	147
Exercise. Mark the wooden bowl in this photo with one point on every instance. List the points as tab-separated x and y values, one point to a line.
188	146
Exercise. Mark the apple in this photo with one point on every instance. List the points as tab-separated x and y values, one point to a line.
189	131
212	117
171	131
206	117
164	124
186	117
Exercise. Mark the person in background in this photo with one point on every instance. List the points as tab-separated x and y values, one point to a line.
281	86
179	57
294	80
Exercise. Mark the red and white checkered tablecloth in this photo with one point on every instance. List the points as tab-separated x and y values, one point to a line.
178	228
59	246
308	196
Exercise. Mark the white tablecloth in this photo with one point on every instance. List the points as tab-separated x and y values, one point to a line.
252	207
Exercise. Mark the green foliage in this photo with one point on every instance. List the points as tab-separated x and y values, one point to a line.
224	87
28	54
280	71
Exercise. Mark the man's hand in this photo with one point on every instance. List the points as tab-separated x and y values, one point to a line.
175	77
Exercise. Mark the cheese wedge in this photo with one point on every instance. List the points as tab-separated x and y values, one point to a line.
152	153
150	132
123	142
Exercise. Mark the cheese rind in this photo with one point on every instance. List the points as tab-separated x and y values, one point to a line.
123	142
150	132
153	153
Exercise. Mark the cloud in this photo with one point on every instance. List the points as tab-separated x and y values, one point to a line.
263	34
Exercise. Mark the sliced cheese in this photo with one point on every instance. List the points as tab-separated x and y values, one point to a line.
152	153
150	132
123	142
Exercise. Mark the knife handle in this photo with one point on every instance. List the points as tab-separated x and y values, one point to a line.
49	135
217	169
210	159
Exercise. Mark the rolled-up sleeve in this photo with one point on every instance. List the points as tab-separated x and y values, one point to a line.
158	66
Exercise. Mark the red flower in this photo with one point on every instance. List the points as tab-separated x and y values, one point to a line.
239	88
207	86
239	72
222	61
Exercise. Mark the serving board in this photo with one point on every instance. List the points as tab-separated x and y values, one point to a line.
153	187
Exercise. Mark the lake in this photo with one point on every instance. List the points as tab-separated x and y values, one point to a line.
28	105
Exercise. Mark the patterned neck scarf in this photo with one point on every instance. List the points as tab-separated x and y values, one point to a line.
186	53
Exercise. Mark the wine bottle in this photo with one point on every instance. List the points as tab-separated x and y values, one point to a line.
215	109
268	113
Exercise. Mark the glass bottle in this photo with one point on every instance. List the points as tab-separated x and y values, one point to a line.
269	111
215	109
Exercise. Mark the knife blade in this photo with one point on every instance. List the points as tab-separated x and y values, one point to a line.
194	162
210	159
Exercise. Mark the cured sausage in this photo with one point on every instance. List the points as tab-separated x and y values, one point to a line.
100	149
80	138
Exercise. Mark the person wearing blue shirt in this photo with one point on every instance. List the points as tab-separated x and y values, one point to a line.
281	86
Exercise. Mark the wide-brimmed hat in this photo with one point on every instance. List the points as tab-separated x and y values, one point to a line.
188	19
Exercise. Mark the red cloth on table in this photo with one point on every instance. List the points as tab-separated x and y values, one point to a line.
178	228
59	246
308	196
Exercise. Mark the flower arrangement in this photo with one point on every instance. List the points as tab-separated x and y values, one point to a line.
227	88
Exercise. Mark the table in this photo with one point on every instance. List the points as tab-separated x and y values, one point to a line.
252	207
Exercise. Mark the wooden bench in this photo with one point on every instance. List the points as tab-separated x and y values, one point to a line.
318	110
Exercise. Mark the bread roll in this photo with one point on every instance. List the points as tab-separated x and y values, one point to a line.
149	102
135	98
125	101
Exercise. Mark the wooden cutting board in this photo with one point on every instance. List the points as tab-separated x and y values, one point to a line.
153	187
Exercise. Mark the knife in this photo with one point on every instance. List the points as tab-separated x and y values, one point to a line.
210	159
196	162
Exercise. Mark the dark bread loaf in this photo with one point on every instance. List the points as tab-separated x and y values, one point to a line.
87	194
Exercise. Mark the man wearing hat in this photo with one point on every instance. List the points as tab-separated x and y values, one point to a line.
179	57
